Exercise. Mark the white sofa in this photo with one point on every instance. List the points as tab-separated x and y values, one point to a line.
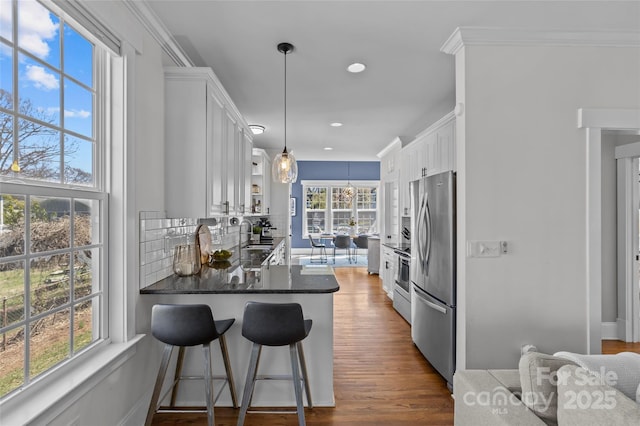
546	390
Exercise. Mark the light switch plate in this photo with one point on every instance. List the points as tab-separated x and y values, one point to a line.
484	248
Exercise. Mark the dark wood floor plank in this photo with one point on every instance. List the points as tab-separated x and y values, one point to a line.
380	377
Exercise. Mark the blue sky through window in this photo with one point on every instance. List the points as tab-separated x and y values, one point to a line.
54	73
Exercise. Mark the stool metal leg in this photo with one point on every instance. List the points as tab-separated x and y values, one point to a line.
208	383
227	367
305	376
293	350
249	382
166	356
176	376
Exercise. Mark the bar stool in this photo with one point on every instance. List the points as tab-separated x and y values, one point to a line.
276	324
189	325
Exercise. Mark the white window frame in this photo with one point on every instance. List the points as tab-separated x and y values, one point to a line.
55	391
329	184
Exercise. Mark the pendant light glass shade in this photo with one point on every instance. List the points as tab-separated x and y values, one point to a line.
284	168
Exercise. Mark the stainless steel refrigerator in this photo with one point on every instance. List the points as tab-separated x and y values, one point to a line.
433	270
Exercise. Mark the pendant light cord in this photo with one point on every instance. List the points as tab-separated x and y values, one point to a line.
285	101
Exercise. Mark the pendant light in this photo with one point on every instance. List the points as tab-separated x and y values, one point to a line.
285	168
349	192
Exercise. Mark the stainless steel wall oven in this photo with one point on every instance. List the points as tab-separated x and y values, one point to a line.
401	289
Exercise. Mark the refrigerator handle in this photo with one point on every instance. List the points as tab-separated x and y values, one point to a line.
427	220
432	305
418	232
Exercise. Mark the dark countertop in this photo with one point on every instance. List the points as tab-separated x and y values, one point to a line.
265	279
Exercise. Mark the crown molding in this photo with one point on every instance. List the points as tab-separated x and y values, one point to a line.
397	142
158	31
490	36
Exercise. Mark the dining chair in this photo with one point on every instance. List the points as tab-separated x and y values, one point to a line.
361	242
342	242
322	247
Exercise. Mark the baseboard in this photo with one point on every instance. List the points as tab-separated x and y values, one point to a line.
610	331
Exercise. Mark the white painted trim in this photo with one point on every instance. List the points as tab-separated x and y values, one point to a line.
628	150
494	36
610	119
594	241
626	242
437	125
609	331
395	143
158	31
48	402
622	325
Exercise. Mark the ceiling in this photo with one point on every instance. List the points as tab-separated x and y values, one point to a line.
408	83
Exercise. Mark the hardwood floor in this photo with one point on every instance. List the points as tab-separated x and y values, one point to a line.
380	377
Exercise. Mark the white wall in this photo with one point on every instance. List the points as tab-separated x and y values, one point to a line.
524	181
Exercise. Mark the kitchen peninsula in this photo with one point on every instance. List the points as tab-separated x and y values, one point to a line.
226	291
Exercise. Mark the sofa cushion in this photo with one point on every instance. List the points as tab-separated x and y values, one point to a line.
583	401
538	378
621	370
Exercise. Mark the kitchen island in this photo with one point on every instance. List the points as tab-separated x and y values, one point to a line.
226	291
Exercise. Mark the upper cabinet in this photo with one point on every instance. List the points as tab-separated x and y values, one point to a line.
432	151
208	147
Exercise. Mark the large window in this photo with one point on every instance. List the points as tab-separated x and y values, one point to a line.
52	197
327	210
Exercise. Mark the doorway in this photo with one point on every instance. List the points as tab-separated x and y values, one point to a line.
628	235
596	121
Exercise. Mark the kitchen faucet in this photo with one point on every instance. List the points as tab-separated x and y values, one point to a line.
240	238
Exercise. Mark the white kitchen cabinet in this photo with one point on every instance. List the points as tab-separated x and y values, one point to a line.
260	182
390	163
388	269
205	170
245	179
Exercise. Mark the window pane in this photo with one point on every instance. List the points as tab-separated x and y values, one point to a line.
79	64
49	277
38	31
78	161
78	109
6	72
6	21
11	294
39	92
6	140
83	234
338	201
316	198
49	340
341	221
50	224
12	361
366	222
83	334
39	154
12	225
84	260
316	222
366	198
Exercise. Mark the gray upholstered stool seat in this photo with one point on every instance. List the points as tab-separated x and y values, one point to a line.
183	326
276	324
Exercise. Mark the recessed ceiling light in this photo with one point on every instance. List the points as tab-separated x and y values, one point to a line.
335	124
256	129
356	67
328	148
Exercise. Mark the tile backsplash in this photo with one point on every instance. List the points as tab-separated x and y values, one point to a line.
159	235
